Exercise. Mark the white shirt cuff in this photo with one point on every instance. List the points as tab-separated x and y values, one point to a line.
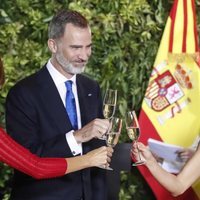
73	145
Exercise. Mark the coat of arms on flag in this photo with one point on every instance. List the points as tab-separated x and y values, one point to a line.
167	89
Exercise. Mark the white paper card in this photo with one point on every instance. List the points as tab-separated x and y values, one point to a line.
166	151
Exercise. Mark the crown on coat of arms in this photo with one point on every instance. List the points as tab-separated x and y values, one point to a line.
183	77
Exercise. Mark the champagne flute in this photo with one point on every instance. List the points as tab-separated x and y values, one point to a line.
109	105
133	130
112	136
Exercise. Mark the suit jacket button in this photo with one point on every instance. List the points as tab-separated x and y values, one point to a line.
73	152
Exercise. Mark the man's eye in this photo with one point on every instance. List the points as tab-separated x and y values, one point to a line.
74	47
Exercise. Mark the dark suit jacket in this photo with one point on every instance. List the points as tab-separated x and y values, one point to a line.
37	119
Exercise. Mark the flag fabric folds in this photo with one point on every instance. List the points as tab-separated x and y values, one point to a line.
170	109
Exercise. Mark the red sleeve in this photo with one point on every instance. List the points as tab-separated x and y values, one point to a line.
23	160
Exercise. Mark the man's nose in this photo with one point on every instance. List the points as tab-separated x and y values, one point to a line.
85	54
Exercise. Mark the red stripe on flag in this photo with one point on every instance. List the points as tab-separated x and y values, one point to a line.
148	131
172	16
185	25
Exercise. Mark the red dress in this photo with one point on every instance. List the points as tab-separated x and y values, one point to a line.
21	159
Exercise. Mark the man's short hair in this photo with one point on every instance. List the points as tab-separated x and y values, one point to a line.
63	17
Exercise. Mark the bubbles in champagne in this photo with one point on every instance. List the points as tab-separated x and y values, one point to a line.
112	139
108	110
133	133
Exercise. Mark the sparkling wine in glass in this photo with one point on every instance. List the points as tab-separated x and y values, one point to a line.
112	136
109	103
133	131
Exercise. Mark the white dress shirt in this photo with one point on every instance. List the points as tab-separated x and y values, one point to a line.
59	80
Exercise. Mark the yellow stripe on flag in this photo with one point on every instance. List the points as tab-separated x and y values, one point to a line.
178	29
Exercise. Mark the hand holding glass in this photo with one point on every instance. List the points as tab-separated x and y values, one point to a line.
133	130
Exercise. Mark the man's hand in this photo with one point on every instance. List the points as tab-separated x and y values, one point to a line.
95	129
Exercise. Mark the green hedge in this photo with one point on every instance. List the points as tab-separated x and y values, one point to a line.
126	36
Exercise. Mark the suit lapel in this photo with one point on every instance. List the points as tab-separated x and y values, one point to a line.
87	97
53	103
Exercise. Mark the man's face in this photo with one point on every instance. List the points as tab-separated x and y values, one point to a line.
74	49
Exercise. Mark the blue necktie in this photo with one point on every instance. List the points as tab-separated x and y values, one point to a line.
71	105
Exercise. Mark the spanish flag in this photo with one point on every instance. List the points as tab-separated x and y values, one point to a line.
171	106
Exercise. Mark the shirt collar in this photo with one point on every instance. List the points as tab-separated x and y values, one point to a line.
57	77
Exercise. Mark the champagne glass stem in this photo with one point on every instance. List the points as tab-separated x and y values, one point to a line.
140	161
139	153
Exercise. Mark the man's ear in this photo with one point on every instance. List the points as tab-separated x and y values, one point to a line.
52	45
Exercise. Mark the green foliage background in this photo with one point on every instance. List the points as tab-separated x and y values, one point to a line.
126	36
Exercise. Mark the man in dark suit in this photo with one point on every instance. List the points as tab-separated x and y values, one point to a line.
38	117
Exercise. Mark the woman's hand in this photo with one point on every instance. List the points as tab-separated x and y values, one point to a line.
146	154
100	157
185	154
